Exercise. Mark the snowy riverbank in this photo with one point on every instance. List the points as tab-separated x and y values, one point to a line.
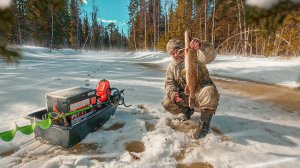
246	133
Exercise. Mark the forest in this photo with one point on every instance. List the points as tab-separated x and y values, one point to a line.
233	27
61	24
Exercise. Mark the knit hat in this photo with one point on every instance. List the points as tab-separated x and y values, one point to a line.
174	44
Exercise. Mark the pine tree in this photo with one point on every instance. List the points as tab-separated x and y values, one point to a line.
226	26
7	20
133	9
86	31
95	29
74	24
19	8
60	26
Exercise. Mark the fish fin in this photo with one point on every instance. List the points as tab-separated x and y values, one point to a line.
186	90
191	102
183	72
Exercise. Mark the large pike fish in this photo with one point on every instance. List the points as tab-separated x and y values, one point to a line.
191	70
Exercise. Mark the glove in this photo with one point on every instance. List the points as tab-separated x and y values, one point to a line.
175	97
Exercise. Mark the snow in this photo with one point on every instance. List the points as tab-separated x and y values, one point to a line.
252	133
265	70
259	69
4	4
266	4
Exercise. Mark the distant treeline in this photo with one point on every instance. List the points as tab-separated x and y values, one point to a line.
231	25
57	24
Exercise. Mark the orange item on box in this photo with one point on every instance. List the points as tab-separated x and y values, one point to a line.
103	90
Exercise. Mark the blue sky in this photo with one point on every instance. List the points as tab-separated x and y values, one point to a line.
109	11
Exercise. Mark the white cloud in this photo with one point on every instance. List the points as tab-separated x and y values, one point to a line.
266	4
4	3
108	21
122	24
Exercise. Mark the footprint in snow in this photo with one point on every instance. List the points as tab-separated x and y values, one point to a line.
87	82
142	108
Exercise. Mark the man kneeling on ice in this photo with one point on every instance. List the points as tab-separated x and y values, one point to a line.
206	94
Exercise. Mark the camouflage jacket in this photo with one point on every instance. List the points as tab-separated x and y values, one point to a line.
175	82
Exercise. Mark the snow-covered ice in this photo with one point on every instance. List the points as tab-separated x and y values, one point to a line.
246	132
266	70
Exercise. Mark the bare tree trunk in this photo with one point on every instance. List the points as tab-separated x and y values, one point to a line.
269	40
213	23
145	31
263	47
166	15
51	41
168	24
77	32
256	44
109	39
205	20
85	41
250	44
277	45
99	41
154	24
234	47
171	6
227	45
134	36
246	41
240	22
287	50
158	23
246	34
275	50
19	36
121	42
200	26
102	39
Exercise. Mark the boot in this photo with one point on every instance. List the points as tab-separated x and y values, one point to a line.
204	125
188	112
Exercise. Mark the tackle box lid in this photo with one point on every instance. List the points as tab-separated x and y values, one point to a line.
70	92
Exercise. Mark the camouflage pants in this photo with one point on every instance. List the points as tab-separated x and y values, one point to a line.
207	98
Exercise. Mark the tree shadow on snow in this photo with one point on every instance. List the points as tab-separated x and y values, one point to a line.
241	130
260	74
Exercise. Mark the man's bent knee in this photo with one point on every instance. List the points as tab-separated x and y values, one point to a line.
208	97
170	106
